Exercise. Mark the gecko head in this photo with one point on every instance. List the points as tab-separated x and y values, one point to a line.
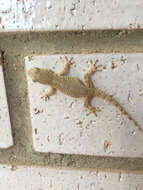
34	74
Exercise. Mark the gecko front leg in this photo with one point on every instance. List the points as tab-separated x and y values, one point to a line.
48	94
89	84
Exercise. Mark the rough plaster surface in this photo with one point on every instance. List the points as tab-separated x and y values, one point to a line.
62	125
6	139
59	179
16	15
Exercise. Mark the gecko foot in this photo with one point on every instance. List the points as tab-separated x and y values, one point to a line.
47	95
69	61
94	67
94	110
87	105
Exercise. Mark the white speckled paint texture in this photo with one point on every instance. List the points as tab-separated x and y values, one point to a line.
20	15
15	178
62	125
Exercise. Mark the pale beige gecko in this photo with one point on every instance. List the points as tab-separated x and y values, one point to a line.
73	87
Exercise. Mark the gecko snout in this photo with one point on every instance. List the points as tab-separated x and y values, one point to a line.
34	74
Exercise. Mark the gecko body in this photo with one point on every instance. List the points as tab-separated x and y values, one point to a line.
74	87
66	84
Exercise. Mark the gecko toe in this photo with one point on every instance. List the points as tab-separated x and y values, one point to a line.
45	97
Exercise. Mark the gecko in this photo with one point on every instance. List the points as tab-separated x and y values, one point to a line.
75	88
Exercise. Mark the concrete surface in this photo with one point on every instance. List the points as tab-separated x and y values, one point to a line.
23	15
6	139
23	178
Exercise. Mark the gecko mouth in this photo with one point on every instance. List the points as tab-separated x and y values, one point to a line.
33	73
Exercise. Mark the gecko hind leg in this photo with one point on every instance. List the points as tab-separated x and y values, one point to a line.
66	66
86	103
93	68
89	84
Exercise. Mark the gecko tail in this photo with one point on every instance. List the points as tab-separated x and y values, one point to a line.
99	93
